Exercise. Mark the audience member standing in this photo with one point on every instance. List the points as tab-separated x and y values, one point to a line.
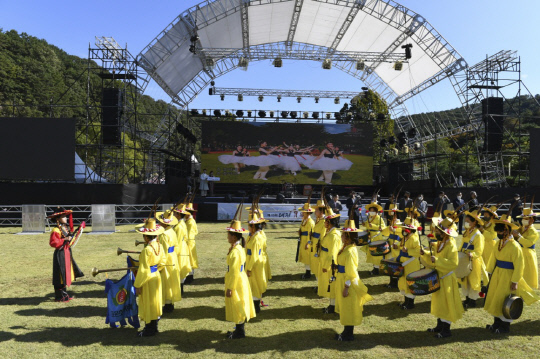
405	202
457	203
441	201
422	208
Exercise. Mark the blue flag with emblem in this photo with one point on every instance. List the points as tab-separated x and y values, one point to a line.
122	301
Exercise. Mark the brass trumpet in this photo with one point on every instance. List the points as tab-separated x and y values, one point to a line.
139	242
96	271
120	251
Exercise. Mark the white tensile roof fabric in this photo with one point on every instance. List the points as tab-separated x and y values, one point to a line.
219	25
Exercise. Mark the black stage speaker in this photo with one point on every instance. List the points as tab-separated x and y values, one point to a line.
534	165
492	115
112	109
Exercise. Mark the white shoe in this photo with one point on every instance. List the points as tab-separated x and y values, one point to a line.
328	182
264	179
294	173
320	180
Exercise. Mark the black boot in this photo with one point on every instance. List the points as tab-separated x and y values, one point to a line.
409	303
58	295
150	329
168	308
438	328
347	335
238	333
393	283
445	331
472	303
330	309
189	279
374	271
257	304
496	324
466	302
182	288
504	328
306	275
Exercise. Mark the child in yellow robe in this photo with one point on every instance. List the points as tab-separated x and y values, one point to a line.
473	247
192	231
527	236
170	275
330	246
409	254
255	261
304	234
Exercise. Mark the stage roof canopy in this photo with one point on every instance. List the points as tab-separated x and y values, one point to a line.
337	27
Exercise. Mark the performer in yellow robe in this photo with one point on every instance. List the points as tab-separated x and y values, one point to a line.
255	261
267	269
239	307
506	269
183	248
409	254
527	236
148	280
374	225
445	303
192	232
488	230
473	246
304	234
394	234
170	275
330	246
351	293
317	234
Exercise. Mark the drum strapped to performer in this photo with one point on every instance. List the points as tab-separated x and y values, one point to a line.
512	307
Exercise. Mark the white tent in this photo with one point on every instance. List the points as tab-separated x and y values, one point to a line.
83	174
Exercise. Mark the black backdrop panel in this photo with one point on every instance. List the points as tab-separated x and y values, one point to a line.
37	148
534	166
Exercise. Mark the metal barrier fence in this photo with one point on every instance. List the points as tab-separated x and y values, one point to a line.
11	216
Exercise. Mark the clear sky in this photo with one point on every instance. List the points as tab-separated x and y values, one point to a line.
475	28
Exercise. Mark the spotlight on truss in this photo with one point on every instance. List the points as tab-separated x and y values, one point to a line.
279	98
316	99
294	114
239	113
210	63
243	63
398	66
261	98
262	114
298	99
305	114
278	62
272	114
222	97
360	65
408	52
327	64
240	97
284	114
328	115
336	100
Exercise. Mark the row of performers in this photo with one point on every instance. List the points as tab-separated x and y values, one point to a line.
290	158
168	260
501	252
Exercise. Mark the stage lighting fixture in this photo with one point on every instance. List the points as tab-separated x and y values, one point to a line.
261	98
365	89
402	137
192	49
262	114
381	117
294	114
210	63
272	114
411	133
315	115
408	52
240	97
278	62
336	100
305	114
392	140
239	113
211	91
222	97
279	98
217	113
316	99
243	63
212	83
284	114
194	112
337	115
417	146
194	38
299	99
349	116
249	113
383	143
405	149
328	115
327	64
360	65
395	151
398	66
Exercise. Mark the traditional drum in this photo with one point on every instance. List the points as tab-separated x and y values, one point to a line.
512	307
363	238
424	281
379	248
391	267
464	267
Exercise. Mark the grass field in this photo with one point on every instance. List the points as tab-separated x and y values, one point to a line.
361	172
33	325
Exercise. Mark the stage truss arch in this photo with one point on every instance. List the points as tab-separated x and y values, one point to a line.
182	58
